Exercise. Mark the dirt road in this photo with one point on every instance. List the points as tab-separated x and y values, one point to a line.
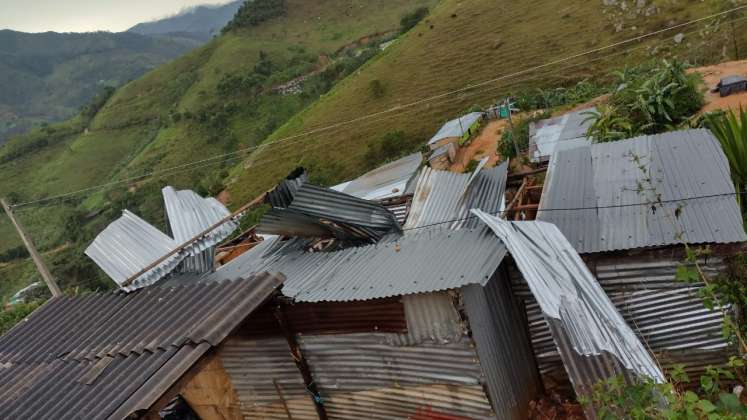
485	144
712	74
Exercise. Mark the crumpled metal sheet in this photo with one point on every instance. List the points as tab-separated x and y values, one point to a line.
444	199
305	210
189	215
130	244
580	314
387	181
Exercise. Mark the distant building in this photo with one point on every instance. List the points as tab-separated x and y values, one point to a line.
457	130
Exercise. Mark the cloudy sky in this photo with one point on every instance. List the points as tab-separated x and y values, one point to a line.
86	15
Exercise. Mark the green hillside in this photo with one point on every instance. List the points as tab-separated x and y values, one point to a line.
216	99
222	98
46	77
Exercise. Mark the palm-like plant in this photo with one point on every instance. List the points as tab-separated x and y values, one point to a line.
607	124
731	131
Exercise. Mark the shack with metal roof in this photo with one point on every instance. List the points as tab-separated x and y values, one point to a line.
627	207
564	132
456	131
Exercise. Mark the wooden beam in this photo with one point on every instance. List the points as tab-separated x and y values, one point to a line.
38	261
300	361
525	173
201	235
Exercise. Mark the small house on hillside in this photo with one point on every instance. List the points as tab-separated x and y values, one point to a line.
456	131
559	133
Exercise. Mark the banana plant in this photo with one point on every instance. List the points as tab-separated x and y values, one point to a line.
607	124
731	131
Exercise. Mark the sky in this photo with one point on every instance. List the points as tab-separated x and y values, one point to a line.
87	15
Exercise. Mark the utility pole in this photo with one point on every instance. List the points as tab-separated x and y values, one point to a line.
507	104
38	261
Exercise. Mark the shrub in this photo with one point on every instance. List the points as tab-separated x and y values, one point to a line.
409	20
731	131
10	317
254	12
392	145
607	124
376	88
14	254
471	166
520	135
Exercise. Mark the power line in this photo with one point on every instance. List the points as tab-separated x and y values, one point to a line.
379	113
615	206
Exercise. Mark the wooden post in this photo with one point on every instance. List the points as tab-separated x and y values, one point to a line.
301	363
507	104
38	261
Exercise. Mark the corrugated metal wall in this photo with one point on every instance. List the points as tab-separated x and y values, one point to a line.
667	315
500	333
266	379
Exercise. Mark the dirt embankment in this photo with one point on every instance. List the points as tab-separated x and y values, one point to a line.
711	76
485	144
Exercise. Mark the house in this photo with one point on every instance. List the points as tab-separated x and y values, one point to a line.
443	310
456	131
567	131
593	195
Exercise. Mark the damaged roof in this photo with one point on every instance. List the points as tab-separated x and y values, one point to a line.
390	180
305	210
592	194
591	334
106	356
560	133
445	198
426	261
129	244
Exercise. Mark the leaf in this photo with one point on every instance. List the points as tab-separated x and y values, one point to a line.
706	406
706	382
691	397
729	402
686	274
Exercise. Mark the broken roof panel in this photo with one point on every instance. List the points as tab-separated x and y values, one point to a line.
301	209
426	261
445	198
560	133
580	314
108	355
189	215
128	245
456	127
592	193
386	181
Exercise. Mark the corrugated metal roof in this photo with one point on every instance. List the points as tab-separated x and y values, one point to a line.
682	165
108	355
311	211
560	133
128	245
385	181
456	127
425	261
445	198
190	215
580	313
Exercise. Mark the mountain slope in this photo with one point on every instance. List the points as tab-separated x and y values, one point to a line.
47	76
204	21
215	99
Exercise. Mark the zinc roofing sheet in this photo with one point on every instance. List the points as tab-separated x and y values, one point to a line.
444	198
560	133
128	245
314	211
189	215
107	355
426	261
592	193
456	127
580	314
386	181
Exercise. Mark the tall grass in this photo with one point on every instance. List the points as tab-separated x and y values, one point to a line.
731	131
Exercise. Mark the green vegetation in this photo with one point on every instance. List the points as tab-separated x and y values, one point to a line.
645	399
649	99
391	146
10	316
519	135
254	12
409	20
731	131
533	99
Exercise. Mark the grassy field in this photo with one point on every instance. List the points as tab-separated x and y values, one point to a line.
459	45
